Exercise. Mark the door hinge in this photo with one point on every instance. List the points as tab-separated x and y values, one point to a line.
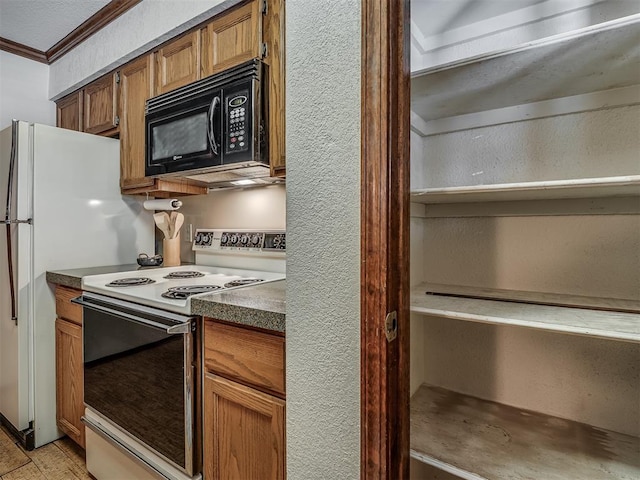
391	326
116	121
117	77
264	7
263	50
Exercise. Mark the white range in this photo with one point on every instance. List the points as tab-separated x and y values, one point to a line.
140	344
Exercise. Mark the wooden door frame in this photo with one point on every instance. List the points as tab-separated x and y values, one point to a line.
385	239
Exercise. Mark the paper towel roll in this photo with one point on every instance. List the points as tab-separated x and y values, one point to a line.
162	204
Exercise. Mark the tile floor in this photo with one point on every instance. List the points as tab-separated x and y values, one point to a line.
60	460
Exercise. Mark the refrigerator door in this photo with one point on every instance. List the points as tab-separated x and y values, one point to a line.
15	267
80	220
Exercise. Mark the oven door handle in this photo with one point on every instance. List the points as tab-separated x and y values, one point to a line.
178	329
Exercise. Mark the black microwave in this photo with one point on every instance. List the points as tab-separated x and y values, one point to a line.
213	124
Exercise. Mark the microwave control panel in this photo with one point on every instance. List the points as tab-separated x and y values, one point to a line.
238	121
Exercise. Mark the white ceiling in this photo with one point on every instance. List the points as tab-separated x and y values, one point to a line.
40	24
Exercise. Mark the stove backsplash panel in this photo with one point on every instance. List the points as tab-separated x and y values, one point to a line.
258	208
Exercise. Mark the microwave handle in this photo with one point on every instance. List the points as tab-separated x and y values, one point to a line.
210	133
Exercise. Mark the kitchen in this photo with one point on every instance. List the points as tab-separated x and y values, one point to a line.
322	207
264	208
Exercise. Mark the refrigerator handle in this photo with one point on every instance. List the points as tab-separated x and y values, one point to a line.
7	218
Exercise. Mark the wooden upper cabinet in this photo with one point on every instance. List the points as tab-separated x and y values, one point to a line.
178	63
232	38
69	112
273	34
100	105
136	87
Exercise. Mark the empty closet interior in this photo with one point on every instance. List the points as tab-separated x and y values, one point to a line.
525	239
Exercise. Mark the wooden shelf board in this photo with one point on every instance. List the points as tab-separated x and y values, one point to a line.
579	321
478	439
619	186
596	58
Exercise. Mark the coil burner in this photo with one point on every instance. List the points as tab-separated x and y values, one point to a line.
181	293
130	282
185	274
242	282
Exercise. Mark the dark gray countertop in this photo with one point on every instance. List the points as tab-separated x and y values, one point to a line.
73	278
261	306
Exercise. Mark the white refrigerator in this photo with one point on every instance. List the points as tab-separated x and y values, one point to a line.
63	210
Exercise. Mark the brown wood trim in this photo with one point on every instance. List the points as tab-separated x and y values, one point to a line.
385	239
100	19
23	50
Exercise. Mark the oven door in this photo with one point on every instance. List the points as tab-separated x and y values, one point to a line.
139	370
184	135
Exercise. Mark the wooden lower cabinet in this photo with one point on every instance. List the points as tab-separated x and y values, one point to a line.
69	380
244	432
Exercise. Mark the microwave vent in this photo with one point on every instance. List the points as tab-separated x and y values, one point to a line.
222	179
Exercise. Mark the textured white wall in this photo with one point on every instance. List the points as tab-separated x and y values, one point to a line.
591	255
140	29
23	91
323	244
589	380
592	144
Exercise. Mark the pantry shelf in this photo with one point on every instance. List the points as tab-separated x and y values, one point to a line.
527	312
592	59
478	439
619	186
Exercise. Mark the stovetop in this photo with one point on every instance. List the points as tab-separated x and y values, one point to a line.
225	259
209	279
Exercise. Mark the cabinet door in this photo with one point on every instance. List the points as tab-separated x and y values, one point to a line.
232	38
100	105
136	86
69	112
273	34
243	432
69	380
178	63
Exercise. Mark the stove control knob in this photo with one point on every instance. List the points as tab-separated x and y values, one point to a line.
255	239
224	239
244	239
279	242
234	238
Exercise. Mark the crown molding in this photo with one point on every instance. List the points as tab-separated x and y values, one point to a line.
23	50
97	21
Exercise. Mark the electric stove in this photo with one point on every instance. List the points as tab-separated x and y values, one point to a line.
225	260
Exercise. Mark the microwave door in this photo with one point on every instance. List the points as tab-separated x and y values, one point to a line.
184	137
211	130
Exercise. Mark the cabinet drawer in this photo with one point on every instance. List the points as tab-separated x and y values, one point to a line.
64	308
253	358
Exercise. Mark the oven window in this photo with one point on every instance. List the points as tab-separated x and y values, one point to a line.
180	137
134	376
